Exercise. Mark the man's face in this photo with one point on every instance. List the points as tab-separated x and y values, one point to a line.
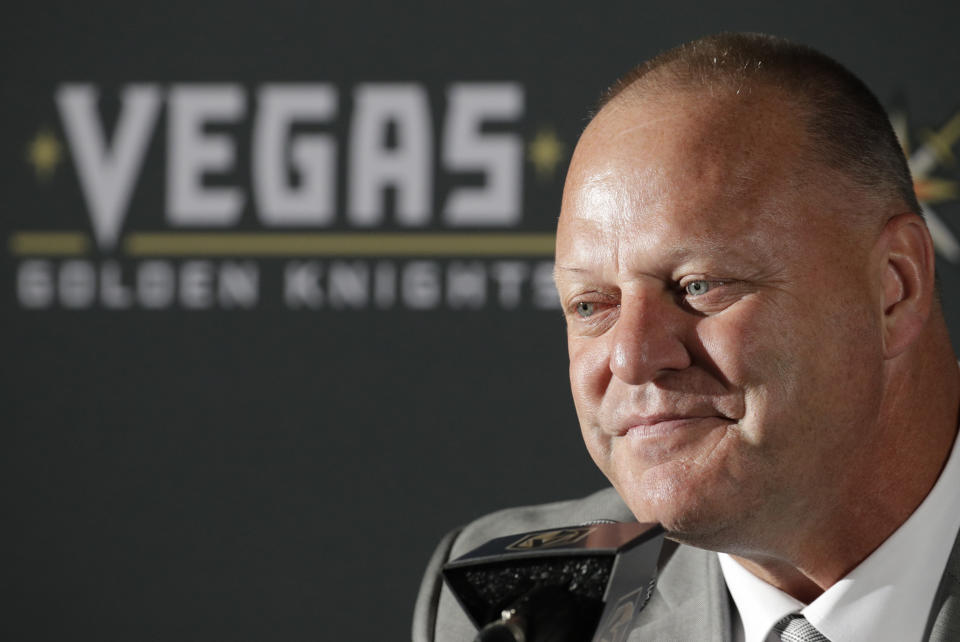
722	315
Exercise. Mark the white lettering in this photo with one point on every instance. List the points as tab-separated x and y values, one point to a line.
113	292
509	276
192	153
466	285
35	284
77	284
406	165
385	284
196	284
239	285
107	172
313	157
300	284
348	284
155	284
421	285
499	156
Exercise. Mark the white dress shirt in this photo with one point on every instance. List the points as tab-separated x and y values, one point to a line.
887	597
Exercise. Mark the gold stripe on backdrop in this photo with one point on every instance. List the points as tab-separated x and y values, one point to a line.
337	244
49	243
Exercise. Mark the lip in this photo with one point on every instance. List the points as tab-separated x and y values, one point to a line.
664	424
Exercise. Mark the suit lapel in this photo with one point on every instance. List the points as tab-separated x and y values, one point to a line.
943	624
689	602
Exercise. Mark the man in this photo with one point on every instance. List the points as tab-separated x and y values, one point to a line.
757	355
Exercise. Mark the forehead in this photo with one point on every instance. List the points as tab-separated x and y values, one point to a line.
685	169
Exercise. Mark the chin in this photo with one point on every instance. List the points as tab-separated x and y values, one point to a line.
697	520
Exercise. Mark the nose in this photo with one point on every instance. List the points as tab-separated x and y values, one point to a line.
647	339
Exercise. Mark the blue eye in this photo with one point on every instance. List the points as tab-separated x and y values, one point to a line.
696	288
585	309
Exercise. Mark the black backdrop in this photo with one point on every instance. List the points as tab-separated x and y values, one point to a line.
185	459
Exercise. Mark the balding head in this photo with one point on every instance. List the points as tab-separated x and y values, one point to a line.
847	128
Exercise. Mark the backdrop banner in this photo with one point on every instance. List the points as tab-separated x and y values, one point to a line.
277	290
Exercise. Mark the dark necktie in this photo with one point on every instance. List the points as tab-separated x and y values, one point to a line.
795	628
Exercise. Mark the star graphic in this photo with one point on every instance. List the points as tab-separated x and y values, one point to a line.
545	152
935	151
44	152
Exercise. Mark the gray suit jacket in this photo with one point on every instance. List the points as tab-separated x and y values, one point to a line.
690	601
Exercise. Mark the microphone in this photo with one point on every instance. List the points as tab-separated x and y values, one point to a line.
560	584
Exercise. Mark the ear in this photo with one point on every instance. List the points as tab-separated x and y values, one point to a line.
908	281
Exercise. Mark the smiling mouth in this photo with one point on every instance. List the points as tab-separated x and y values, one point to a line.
665	425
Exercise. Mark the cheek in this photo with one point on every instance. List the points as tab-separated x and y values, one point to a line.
589	375
589	378
738	343
750	349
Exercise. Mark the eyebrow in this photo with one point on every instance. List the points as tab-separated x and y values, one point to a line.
566	269
731	255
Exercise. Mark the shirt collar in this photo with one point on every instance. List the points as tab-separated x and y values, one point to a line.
886	597
760	605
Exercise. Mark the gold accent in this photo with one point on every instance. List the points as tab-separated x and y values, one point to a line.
44	152
931	190
337	244
942	141
545	152
935	152
936	190
49	243
551	539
